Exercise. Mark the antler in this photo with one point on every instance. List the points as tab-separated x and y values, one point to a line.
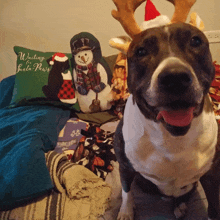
126	9
182	8
121	43
125	15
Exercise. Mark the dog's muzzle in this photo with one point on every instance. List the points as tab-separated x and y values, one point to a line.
175	81
176	94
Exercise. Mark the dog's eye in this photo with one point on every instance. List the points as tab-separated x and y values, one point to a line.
195	41
141	52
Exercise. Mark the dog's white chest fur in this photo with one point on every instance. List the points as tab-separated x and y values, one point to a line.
171	163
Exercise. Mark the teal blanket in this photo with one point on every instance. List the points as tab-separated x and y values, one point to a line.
26	133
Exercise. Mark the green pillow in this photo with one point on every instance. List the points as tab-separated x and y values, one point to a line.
42	77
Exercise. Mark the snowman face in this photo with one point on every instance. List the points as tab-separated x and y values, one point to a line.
84	58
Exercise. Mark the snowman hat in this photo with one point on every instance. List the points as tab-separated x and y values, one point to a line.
81	45
60	57
153	18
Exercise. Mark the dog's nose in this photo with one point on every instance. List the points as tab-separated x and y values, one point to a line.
175	80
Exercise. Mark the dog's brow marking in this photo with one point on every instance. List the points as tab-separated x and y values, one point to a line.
166	30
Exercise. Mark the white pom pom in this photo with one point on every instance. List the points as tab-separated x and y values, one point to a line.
156	22
51	63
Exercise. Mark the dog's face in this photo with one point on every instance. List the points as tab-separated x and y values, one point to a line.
170	70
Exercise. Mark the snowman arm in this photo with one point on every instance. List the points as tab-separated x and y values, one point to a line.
103	74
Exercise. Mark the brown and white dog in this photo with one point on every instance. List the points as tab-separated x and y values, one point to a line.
169	132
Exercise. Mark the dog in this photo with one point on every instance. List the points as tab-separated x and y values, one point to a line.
168	134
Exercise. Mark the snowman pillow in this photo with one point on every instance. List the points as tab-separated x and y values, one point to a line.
91	74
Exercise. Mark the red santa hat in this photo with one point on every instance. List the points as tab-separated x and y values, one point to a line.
150	11
60	57
153	18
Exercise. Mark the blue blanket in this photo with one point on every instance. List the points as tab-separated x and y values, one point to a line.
26	133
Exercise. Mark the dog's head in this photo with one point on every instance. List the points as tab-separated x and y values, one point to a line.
170	67
170	70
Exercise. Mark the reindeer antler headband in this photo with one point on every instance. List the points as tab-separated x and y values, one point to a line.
125	15
126	8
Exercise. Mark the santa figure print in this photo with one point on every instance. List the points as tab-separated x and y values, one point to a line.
60	84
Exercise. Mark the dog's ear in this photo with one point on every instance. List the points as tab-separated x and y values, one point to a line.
121	43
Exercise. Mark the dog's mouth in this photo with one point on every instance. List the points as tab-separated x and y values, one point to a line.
177	118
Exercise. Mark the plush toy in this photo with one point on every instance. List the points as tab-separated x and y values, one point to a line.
119	84
60	84
91	74
119	80
214	92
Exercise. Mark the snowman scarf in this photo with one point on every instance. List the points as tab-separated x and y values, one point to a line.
88	80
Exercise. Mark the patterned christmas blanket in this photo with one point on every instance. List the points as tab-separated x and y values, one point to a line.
88	145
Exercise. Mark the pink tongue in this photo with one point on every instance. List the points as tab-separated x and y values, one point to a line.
178	118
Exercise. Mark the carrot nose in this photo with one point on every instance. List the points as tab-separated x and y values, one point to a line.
83	59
